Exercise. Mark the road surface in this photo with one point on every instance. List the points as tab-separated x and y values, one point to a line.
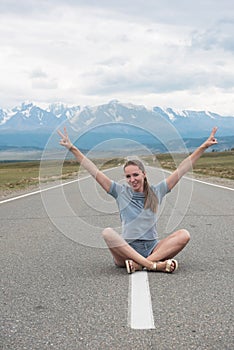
60	289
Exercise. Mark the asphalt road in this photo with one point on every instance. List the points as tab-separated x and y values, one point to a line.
61	290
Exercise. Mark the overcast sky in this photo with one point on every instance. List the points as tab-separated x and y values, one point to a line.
168	53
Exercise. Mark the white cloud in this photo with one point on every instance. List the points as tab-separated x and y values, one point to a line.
218	36
38	73
42	84
171	53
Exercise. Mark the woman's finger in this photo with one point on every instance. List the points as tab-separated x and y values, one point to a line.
213	132
60	133
65	131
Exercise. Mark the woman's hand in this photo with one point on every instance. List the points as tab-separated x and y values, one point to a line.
65	141
211	139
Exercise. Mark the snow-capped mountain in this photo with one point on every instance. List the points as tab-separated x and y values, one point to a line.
30	117
189	123
32	120
198	123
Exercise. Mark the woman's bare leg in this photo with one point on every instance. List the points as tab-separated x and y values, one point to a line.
121	250
169	247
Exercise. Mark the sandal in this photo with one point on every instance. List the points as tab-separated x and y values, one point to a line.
130	268
169	265
154	267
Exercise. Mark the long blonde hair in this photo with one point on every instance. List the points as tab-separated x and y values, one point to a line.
151	201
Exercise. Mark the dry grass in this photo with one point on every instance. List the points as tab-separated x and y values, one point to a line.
215	164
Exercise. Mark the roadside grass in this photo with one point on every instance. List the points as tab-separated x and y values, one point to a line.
21	175
214	164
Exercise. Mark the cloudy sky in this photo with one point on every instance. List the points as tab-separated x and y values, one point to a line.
168	53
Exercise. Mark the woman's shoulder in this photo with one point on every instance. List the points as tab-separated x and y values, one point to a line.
117	188
160	189
160	184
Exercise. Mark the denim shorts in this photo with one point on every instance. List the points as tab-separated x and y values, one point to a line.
144	247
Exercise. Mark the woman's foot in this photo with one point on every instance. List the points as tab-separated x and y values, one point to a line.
170	265
132	266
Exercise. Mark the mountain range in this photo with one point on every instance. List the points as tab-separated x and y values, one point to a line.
31	126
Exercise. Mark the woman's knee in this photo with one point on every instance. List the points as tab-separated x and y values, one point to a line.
112	238
184	236
107	233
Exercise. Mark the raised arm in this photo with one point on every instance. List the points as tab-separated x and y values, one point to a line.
99	176
189	162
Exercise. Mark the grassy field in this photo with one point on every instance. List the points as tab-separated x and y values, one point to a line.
215	164
21	175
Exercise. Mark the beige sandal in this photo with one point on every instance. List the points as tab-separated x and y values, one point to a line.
130	268
154	268
169	265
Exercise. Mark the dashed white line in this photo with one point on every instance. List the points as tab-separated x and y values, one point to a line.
140	307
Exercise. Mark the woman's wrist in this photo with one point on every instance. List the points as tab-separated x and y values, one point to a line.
71	147
204	146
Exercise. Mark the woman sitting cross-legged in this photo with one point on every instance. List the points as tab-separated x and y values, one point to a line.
138	247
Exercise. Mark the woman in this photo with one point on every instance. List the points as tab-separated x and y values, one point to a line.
138	246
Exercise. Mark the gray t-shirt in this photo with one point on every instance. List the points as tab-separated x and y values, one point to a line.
137	222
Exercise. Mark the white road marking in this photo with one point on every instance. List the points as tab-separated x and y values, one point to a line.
36	192
140	311
196	180
208	183
49	188
44	189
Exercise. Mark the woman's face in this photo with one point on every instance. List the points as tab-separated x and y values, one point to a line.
135	177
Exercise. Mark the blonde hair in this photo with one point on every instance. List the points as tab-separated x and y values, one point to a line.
151	201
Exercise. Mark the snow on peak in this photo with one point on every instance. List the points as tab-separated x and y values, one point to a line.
170	114
210	114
